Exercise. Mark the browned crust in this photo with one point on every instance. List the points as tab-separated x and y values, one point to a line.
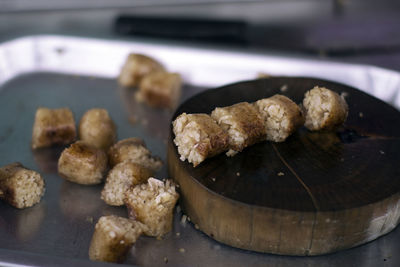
114	151
249	122
53	127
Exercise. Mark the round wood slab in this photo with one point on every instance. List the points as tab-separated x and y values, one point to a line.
315	193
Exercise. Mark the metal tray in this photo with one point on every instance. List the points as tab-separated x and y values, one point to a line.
59	71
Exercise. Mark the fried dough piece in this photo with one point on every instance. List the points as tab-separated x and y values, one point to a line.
83	164
113	238
53	127
160	89
243	124
281	117
135	150
136	67
120	179
198	137
152	204
324	109
20	187
97	128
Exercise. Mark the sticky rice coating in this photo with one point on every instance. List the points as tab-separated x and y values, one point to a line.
324	109
198	137
135	150
152	204
243	123
120	179
113	237
281	117
20	187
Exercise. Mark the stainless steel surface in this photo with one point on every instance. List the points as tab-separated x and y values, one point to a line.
79	73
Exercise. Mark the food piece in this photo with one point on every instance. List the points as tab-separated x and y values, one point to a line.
160	89
113	237
135	68
152	204
324	109
135	150
83	164
20	187
281	117
120	179
97	129
243	124
53	127
198	137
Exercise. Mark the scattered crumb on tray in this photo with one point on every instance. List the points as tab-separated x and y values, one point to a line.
361	114
182	250
284	88
281	174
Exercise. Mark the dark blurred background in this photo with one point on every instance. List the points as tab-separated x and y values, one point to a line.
359	31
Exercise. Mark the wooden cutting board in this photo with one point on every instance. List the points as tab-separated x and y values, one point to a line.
315	193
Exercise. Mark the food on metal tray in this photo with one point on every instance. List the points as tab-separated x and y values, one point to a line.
113	237
324	109
135	150
281	117
20	187
97	128
136	67
198	137
243	124
53	127
120	179
160	89
152	204
83	164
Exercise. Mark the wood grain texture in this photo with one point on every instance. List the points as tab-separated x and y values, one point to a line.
315	193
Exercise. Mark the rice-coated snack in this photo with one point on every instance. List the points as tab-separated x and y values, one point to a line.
152	204
53	127
243	123
324	109
281	117
120	179
135	150
113	237
83	164
136	67
198	137
97	128
160	89
20	187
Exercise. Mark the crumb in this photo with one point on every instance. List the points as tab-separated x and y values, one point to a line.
382	152
281	174
132	119
196	226
182	250
213	179
183	219
361	114
188	218
165	259
178	234
284	88
238	174
89	219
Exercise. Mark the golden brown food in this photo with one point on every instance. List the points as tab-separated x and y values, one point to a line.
97	128
135	150
20	187
198	137
152	204
136	67
160	89
243	124
83	164
324	109
281	117
120	179
113	237
53	127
